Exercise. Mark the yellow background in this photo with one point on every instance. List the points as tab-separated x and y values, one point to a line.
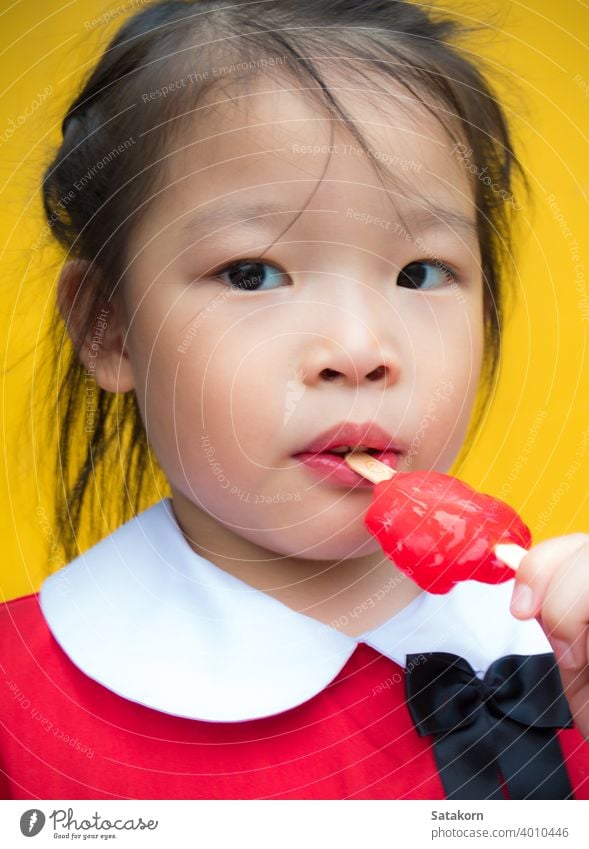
533	450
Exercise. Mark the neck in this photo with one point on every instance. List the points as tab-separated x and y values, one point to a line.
352	595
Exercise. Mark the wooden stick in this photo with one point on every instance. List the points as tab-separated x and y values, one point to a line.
369	467
511	554
376	472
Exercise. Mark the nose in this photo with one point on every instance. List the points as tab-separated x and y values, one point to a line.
352	350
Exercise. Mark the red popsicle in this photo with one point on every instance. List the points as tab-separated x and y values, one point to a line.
438	530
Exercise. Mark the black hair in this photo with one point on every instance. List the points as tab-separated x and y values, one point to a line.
112	145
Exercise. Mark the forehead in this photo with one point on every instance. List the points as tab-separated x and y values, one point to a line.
270	136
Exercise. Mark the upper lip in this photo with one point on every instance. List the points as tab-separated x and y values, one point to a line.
346	433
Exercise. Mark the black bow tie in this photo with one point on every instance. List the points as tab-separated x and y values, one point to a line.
502	725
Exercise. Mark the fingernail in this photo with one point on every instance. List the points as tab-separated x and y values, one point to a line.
522	600
564	653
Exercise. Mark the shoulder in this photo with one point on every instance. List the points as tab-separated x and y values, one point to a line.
24	635
26	645
18	614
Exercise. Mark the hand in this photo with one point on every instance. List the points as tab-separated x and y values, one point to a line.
552	584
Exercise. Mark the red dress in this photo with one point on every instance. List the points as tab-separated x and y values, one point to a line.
349	735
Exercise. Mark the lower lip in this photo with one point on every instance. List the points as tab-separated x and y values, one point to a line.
332	468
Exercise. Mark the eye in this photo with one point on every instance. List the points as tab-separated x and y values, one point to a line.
426	274
252	275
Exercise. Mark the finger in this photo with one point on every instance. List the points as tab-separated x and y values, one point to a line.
564	614
537	569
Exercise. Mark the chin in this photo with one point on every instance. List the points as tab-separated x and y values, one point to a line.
330	549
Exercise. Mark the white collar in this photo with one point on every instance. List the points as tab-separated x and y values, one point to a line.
150	619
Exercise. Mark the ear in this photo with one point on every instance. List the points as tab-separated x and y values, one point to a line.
101	348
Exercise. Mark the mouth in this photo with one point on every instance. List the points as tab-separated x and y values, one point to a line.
331	467
325	455
343	450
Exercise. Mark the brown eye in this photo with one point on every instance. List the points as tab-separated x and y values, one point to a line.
250	276
425	274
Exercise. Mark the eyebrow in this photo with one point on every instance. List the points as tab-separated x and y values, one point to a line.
433	217
251	216
230	212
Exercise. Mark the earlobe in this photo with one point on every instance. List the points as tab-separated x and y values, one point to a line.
108	363
98	339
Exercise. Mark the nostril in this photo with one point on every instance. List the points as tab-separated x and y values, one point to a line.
377	373
329	374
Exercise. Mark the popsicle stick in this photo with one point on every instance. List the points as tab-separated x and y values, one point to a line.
367	466
376	472
511	554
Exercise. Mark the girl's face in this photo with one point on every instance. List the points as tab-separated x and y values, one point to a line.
237	369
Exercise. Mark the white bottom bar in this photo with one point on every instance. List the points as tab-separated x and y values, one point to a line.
297	825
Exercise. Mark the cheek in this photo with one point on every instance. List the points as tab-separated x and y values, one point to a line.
449	367
231	394
245	394
447	359
213	388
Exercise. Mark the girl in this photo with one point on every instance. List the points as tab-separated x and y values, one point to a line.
287	227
